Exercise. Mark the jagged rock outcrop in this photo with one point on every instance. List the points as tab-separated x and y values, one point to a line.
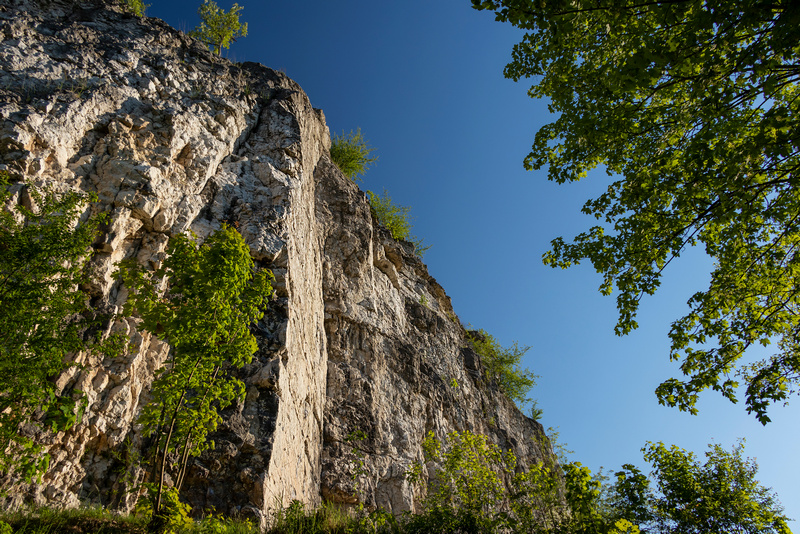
359	336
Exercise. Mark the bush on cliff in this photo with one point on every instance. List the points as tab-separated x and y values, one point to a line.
137	7
44	315
502	366
396	219
351	153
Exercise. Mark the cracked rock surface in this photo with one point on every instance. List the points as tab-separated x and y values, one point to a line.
175	139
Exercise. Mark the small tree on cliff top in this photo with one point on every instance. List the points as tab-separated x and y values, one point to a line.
218	27
213	296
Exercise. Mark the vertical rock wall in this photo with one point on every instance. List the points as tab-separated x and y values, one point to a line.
399	364
358	336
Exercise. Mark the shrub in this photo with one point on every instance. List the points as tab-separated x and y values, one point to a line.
396	219
351	153
173	515
502	366
468	479
137	7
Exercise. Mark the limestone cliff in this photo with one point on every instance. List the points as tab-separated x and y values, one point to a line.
359	336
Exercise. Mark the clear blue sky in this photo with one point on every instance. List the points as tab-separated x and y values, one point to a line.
423	80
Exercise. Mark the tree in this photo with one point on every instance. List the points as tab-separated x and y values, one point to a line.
213	295
478	487
351	154
217	27
720	495
466	491
502	366
43	313
691	106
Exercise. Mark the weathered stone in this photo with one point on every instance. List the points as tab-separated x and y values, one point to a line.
358	335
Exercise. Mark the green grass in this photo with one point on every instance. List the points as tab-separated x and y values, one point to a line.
294	519
331	519
46	520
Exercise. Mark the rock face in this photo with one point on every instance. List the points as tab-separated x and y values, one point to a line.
359	336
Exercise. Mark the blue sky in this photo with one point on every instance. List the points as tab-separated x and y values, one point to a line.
423	80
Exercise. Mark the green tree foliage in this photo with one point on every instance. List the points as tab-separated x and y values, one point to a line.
720	495
351	153
692	108
502	366
397	219
212	297
469	479
217	27
476	487
466	491
137	7
43	313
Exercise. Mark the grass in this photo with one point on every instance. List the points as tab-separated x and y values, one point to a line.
45	520
294	519
331	519
92	520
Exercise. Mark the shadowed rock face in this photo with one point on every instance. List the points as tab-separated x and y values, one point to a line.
174	139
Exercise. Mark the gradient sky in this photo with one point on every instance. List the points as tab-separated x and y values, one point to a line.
423	80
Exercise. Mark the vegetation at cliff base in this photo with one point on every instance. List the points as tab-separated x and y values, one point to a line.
44	315
351	153
721	494
692	108
213	295
95	520
219	27
476	487
479	487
